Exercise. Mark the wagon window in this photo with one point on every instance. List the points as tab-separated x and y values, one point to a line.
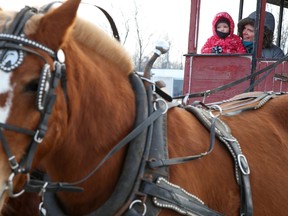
177	87
208	11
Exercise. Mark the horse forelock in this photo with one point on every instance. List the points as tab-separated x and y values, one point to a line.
6	18
32	24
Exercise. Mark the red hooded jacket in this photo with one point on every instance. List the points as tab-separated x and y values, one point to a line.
231	44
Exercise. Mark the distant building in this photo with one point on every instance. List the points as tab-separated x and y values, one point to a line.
172	78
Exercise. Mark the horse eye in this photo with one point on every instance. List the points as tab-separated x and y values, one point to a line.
32	86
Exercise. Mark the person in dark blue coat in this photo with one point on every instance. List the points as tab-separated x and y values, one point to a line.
246	32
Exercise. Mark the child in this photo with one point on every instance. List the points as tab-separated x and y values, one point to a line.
223	39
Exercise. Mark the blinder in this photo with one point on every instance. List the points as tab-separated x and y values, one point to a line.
10	59
43	87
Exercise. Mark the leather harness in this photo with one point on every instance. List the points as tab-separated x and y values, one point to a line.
144	184
143	187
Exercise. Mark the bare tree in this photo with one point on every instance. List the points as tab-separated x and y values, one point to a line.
142	41
126	26
284	30
133	31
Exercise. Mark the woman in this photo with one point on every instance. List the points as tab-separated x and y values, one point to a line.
246	31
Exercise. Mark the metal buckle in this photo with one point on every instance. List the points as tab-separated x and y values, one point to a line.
13	163
36	138
206	94
239	157
41	207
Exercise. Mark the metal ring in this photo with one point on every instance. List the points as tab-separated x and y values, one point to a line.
10	187
164	102
217	108
139	201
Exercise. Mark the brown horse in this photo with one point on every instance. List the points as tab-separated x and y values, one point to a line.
72	124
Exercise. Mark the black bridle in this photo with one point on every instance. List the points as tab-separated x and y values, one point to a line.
13	40
14	43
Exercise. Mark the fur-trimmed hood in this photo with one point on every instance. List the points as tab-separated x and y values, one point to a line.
219	16
269	22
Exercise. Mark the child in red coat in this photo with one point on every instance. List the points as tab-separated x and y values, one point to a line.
223	39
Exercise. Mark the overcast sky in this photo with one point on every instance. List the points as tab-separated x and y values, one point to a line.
158	18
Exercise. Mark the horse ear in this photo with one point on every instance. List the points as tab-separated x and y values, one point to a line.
56	23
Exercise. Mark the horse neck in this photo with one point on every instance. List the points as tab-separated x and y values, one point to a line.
101	108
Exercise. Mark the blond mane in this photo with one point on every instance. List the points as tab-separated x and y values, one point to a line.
93	37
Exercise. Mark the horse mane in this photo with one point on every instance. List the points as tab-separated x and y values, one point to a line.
94	38
6	18
91	35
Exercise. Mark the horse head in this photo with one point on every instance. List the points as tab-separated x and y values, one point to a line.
27	69
52	64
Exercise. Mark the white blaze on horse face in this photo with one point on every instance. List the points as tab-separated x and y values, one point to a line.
5	87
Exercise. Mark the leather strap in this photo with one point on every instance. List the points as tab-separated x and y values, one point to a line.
241	165
173	161
175	198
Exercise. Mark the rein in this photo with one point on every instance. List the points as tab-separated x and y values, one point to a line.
134	133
